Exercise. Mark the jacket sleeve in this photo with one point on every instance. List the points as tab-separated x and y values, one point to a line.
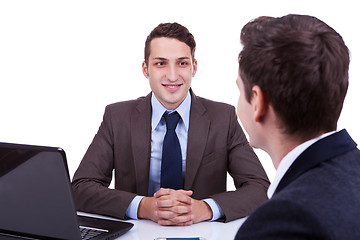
93	176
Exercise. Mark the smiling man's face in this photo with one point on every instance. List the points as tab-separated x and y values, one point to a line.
170	71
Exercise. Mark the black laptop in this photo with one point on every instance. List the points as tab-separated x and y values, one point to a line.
36	199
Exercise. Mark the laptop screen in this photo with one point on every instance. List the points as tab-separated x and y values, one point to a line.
35	193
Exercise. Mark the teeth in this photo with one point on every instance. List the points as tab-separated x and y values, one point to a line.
172	86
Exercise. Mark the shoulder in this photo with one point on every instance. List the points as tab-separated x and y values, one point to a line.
124	104
128	106
314	203
327	179
211	105
222	115
282	218
213	109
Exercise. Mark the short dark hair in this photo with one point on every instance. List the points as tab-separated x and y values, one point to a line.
302	65
170	30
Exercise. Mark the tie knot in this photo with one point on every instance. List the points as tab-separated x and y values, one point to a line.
171	120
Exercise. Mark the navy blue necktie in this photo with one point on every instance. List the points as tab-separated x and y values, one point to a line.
171	163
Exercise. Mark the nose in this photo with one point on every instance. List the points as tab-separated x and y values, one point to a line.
172	73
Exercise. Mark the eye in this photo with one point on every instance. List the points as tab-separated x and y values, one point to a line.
183	63
160	64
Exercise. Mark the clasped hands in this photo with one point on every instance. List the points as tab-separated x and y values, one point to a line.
174	207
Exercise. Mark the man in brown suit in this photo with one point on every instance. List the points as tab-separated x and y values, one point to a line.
130	140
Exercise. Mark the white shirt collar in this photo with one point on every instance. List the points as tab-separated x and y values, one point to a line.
289	159
158	110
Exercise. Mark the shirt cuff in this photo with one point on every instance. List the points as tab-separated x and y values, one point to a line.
216	209
132	209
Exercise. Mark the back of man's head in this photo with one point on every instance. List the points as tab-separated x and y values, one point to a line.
301	64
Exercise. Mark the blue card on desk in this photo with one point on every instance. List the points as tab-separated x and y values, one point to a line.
182	238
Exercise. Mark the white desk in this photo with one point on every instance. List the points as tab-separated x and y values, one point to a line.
148	230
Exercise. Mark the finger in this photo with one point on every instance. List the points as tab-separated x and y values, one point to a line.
176	199
177	210
170	223
165	215
168	191
166	202
182	197
183	209
181	220
162	192
186	192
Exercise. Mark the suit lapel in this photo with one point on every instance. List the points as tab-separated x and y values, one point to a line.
140	142
197	138
322	150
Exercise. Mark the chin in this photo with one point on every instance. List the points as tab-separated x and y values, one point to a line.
251	143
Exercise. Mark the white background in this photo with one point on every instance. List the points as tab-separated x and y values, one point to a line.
62	62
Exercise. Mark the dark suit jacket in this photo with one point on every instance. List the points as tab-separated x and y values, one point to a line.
318	197
216	144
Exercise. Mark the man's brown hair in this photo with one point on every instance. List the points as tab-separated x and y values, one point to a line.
170	30
302	65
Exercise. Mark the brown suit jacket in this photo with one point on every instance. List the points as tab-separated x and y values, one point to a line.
216	145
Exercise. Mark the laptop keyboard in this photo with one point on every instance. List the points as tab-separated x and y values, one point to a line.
89	233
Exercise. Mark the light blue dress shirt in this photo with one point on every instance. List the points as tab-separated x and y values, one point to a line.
158	131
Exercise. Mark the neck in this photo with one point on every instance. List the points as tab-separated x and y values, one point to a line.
283	144
279	148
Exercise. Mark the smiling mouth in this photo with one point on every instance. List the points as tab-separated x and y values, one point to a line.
172	86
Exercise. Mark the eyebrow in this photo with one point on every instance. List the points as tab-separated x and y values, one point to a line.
165	59
160	58
184	58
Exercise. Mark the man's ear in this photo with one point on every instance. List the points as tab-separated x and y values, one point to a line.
145	69
260	103
194	70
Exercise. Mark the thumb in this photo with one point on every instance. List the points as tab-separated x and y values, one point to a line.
186	192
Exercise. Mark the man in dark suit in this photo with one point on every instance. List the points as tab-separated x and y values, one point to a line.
210	143
293	78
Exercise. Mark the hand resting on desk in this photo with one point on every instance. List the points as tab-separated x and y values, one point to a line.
174	207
